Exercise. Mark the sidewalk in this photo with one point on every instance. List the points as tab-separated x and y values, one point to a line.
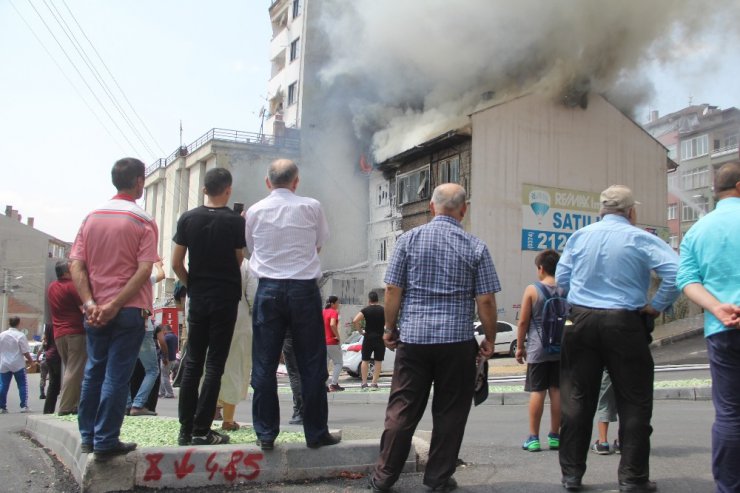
190	467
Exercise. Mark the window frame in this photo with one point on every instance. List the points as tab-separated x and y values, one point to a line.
405	183
293	93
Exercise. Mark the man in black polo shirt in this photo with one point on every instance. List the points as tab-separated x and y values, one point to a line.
213	236
372	345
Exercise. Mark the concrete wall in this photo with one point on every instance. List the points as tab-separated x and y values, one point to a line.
532	140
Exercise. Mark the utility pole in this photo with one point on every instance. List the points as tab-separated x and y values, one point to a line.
6	289
6	282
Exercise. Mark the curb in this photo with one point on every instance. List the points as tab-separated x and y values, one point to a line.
192	467
677	337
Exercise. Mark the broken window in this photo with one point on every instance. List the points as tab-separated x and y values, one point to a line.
349	291
413	186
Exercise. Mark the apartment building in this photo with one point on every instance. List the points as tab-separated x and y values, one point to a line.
285	88
27	260
700	138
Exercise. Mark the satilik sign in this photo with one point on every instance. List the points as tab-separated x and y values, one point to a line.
551	215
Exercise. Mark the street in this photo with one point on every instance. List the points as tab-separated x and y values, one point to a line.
491	448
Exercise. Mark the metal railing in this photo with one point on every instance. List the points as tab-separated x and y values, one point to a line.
725	150
225	135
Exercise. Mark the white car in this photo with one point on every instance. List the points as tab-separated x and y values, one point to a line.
352	357
505	337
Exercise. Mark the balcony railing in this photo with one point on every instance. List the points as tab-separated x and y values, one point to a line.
723	151
225	135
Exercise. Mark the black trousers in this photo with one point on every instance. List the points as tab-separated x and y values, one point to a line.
451	367
55	384
617	340
291	365
210	329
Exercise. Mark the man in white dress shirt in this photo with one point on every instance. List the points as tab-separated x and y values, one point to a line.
284	233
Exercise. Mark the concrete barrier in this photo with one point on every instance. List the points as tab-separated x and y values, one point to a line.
192	467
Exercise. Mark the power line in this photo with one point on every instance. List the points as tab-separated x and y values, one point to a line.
105	110
77	91
123	93
101	82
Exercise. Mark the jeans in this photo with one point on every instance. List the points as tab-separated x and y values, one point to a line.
20	380
55	383
210	329
111	355
724	364
150	362
279	305
617	340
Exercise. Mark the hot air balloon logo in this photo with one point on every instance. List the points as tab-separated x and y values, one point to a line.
539	201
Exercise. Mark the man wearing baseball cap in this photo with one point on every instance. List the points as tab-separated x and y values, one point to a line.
606	270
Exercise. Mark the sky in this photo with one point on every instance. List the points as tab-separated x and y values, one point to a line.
203	63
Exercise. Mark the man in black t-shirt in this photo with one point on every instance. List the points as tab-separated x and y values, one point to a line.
372	344
213	237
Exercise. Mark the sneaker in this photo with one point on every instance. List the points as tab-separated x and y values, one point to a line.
553	441
532	444
26	409
335	388
601	448
3	411
616	447
212	438
297	419
374	386
364	387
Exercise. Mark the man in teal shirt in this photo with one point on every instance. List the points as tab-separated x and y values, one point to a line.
709	275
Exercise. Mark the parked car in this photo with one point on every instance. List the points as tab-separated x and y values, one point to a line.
505	337
352	357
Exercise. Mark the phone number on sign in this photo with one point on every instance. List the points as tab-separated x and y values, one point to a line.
542	240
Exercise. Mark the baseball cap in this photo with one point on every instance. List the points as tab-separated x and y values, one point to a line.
618	197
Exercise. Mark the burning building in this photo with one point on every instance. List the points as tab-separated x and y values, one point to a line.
533	168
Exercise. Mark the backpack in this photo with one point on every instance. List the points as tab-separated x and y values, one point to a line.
555	310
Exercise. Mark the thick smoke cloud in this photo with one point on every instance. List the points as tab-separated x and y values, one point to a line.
411	69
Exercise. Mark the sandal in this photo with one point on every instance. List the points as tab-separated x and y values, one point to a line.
230	426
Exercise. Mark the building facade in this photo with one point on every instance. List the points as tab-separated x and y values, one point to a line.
27	260
285	88
533	169
700	138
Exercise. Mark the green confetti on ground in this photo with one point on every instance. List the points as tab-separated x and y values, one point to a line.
151	431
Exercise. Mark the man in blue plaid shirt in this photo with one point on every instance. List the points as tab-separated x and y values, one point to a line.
437	276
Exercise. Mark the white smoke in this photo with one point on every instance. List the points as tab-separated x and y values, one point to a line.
412	69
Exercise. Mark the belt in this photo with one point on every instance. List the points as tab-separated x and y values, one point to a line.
618	310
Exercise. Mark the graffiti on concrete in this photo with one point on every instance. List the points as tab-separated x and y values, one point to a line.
237	465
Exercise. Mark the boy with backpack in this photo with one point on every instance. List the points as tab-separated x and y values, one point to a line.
541	320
